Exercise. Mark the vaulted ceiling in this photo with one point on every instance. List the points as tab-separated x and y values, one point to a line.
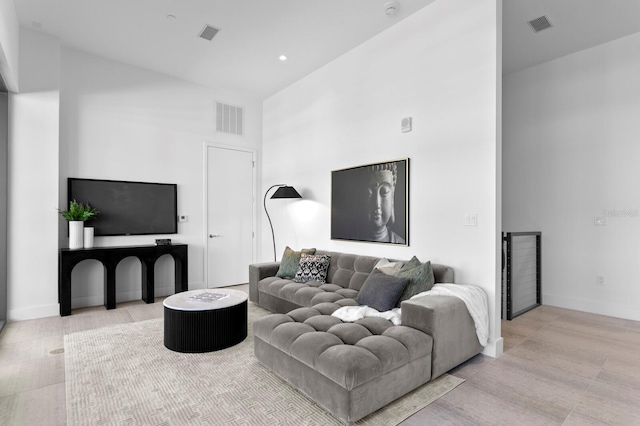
162	35
576	25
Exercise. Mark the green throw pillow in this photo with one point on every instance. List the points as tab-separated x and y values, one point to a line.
420	278
290	260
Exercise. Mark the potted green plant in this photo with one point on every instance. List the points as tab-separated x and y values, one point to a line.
77	215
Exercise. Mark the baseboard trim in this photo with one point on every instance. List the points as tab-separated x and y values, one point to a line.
494	349
592	306
124	296
53	310
33	312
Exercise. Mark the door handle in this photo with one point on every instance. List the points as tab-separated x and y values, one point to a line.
213	236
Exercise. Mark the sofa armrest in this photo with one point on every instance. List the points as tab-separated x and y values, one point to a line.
447	320
257	272
442	273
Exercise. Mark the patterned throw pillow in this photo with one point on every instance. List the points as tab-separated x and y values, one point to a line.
313	267
381	291
290	260
420	278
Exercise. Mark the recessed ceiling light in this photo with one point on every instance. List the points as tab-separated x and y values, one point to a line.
171	18
283	57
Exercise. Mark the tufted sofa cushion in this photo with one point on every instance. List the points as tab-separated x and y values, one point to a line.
348	354
307	294
345	277
349	270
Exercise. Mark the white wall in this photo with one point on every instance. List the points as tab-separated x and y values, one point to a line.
32	283
571	153
124	123
9	44
439	66
115	122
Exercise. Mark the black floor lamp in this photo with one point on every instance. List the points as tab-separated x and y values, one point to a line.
283	191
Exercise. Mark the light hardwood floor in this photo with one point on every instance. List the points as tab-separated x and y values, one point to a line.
560	367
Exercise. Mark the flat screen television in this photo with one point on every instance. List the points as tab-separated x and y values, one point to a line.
128	208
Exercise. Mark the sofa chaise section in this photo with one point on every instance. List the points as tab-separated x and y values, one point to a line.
350	369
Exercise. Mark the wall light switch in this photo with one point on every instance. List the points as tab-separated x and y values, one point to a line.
471	219
183	218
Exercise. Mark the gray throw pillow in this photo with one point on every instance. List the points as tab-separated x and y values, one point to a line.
420	278
290	260
381	291
313	267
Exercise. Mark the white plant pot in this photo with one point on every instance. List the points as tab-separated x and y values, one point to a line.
88	237
76	234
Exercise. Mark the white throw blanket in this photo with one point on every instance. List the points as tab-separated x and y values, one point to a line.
474	298
354	313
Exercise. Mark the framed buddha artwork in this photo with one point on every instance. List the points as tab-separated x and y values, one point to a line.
371	203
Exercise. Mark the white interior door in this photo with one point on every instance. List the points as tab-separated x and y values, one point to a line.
229	216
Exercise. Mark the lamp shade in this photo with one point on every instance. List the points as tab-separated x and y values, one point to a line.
286	192
283	191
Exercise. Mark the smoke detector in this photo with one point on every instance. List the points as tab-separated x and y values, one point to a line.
391	7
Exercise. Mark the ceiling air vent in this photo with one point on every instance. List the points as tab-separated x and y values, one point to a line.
229	119
539	24
208	33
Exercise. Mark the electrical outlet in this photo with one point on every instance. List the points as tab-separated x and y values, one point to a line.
471	219
600	279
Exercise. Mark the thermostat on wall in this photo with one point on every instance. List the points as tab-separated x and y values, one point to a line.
405	125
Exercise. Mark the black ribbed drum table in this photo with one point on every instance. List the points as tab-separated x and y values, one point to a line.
205	320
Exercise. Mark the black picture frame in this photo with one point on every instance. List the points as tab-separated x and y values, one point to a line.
360	203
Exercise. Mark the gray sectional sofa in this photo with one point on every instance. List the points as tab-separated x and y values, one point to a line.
354	368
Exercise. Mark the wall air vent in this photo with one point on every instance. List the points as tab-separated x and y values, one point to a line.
539	24
229	119
208	32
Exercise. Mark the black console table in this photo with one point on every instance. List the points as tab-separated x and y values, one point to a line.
110	257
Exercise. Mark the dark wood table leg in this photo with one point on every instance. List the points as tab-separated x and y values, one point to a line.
148	280
181	272
64	289
110	285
